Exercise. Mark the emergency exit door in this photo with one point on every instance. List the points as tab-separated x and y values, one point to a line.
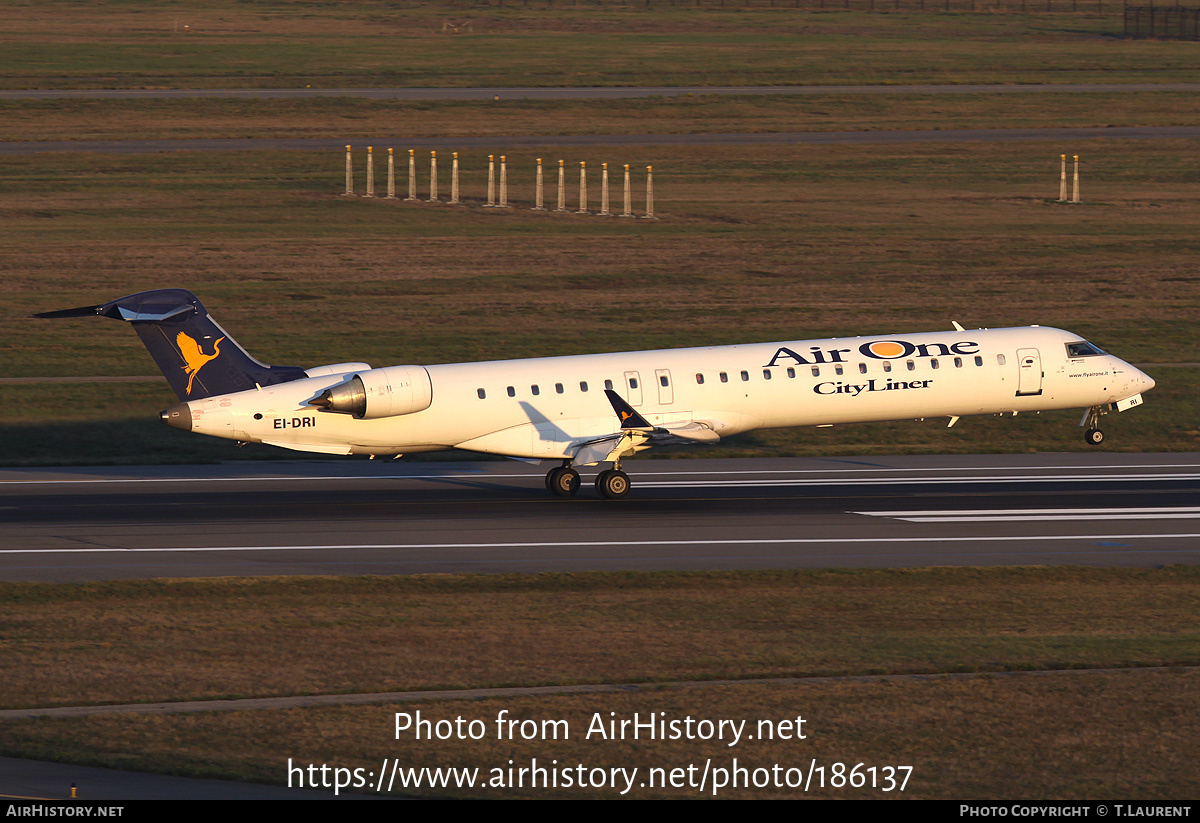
666	394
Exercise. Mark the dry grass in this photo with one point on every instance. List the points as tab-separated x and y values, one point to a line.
756	243
390	120
181	640
271	44
1131	735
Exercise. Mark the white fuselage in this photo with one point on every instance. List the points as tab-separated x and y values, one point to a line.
545	407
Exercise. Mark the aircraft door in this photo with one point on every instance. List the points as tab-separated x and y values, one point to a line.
1029	363
666	393
633	388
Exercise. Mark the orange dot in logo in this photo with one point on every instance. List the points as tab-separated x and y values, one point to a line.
887	348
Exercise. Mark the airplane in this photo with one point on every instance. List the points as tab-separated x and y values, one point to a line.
592	409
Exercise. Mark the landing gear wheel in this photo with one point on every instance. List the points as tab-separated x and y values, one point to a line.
1093	437
612	484
563	481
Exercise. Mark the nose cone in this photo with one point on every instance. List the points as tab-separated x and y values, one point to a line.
179	417
1145	381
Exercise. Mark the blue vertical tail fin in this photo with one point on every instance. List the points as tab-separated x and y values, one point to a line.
197	356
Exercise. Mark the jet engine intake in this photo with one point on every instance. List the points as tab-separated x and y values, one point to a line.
387	392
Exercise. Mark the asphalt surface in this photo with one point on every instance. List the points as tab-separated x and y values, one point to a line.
364	517
591	92
357	517
22	781
498	142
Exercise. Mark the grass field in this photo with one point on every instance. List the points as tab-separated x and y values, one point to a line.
755	243
289	44
389	120
1127	735
104	643
179	640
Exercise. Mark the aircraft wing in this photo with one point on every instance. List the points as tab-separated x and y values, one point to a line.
637	434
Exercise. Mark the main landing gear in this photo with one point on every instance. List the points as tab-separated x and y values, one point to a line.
611	484
1091	419
563	481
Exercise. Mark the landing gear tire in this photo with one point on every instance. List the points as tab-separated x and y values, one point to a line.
1093	437
612	484
563	481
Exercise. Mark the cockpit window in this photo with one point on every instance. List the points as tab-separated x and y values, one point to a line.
1082	349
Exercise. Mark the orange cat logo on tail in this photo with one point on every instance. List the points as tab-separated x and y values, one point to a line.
194	356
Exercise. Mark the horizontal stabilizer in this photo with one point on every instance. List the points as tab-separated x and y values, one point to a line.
82	311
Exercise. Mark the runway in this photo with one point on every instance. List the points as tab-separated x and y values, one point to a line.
375	517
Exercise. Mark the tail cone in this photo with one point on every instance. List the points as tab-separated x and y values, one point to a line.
179	417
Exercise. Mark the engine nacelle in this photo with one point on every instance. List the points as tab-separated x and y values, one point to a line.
337	368
380	393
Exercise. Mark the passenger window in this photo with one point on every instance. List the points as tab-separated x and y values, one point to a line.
887	365
534	390
816	371
482	393
933	364
911	365
724	377
583	385
512	392
558	388
791	372
1000	359
766	374
958	362
745	376
608	385
862	368
838	369
978	361
699	378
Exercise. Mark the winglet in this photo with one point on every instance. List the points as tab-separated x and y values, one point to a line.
629	418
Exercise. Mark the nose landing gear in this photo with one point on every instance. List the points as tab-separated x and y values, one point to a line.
1091	419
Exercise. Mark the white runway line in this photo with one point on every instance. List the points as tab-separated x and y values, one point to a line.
896	481
1027	515
611	543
